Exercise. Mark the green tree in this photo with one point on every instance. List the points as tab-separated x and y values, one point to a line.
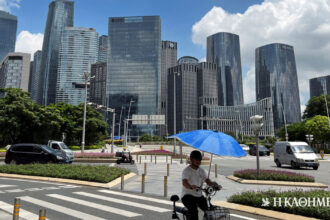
296	131
318	126
316	106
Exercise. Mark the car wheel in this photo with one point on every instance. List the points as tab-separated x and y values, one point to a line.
278	164
13	162
294	165
315	167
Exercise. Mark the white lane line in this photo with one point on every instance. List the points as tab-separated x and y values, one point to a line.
22	213
33	189
124	202
14	190
69	186
96	206
61	209
50	188
242	217
141	197
4	186
31	181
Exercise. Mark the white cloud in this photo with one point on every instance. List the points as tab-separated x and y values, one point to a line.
249	86
302	107
6	5
28	42
303	24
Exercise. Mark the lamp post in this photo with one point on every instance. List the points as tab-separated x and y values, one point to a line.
129	110
309	138
121	112
86	76
256	127
284	118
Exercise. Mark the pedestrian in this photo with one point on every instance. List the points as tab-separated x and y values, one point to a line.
140	145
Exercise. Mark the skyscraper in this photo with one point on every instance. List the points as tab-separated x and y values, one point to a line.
98	83
223	49
15	71
187	59
60	15
78	51
35	82
169	59
103	49
8	29
134	66
276	77
319	86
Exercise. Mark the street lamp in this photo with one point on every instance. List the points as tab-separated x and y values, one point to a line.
127	121
256	127
112	110
309	138
87	76
174	109
121	112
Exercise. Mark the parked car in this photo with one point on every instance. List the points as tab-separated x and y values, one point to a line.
61	146
296	154
245	147
263	151
34	153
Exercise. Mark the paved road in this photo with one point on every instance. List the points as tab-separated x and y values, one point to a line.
68	202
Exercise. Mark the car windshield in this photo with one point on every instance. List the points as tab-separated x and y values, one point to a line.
48	149
64	146
302	149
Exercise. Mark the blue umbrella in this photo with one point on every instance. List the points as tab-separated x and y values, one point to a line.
212	142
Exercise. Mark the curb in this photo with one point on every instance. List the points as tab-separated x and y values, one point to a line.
260	211
71	181
324	161
279	183
84	160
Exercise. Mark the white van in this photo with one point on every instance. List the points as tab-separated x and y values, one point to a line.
61	146
296	154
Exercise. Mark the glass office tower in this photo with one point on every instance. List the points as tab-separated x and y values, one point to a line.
79	50
223	49
35	77
319	86
276	77
8	29
103	49
134	67
60	15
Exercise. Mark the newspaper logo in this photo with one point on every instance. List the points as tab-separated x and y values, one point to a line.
265	202
296	202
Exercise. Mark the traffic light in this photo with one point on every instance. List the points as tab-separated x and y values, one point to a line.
256	123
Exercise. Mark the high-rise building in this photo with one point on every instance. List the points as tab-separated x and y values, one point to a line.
319	86
78	51
134	67
98	84
35	82
15	71
103	49
276	77
169	59
60	15
223	49
182	98
8	30
187	59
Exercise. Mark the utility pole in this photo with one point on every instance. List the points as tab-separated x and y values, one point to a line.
256	127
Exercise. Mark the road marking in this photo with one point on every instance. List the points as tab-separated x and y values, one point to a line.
50	188
33	189
61	209
242	217
124	202
22	213
31	181
96	206
4	186
69	186
141	197
14	190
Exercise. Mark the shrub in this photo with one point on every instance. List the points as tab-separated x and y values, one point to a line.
274	175
74	147
255	199
102	174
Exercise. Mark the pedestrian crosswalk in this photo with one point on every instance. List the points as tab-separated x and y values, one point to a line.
13	188
91	205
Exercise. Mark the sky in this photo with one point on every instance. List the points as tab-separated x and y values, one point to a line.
304	24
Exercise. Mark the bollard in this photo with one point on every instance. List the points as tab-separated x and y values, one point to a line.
168	169
155	159
122	181
140	159
42	214
17	206
145	168
216	170
151	158
171	160
165	186
143	183
166	159
145	157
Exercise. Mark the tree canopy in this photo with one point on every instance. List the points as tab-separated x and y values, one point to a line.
316	106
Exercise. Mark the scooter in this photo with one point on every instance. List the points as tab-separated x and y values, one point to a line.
124	157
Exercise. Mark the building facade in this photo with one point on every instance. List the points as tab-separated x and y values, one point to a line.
15	71
35	75
60	15
276	77
103	49
98	84
134	67
8	30
223	49
169	59
319	86
187	59
78	51
236	119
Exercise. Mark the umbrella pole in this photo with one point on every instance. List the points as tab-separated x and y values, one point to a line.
208	176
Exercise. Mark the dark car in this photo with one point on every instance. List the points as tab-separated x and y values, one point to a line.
33	153
263	151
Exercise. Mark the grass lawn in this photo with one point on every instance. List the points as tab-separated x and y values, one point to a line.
101	174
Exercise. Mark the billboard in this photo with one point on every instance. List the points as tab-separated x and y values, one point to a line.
140	119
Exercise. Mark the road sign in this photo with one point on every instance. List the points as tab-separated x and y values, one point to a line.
322	153
140	119
157	119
